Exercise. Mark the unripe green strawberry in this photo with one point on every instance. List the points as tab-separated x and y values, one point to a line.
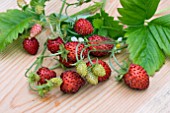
91	78
81	68
39	9
98	70
21	3
56	81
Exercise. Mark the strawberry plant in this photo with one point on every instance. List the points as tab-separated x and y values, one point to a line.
87	34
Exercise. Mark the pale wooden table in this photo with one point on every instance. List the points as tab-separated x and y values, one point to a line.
107	97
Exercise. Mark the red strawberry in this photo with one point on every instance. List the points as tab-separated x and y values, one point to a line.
45	74
72	82
71	47
35	30
136	77
53	44
66	63
71	56
106	67
83	27
31	45
95	39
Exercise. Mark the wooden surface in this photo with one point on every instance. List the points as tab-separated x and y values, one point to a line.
107	97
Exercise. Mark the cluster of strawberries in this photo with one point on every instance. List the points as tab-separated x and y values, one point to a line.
73	54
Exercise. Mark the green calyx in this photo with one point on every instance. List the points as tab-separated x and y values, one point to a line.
56	81
32	77
81	68
45	88
91	78
98	70
123	71
63	52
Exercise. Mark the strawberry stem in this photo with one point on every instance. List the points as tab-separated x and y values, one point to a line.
81	54
40	59
110	62
77	51
115	59
104	3
51	55
88	10
89	57
51	28
73	33
62	7
29	69
54	67
30	86
38	62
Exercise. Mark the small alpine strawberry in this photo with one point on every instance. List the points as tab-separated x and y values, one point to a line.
45	74
136	77
31	45
83	27
106	67
97	44
81	68
98	70
35	30
72	82
54	44
91	78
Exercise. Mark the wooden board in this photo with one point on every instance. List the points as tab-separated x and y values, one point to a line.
107	97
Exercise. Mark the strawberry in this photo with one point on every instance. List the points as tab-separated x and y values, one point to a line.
91	78
106	67
81	68
66	63
35	30
95	39
39	9
98	70
136	77
45	74
31	45
83	27
21	3
72	82
71	55
71	47
53	44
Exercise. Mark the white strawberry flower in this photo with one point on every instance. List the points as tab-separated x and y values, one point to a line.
74	39
80	39
120	39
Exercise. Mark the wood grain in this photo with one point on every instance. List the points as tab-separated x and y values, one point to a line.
107	97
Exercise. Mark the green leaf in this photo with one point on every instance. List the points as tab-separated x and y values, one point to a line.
97	23
117	29
103	32
148	43
160	29
151	6
135	12
89	10
34	3
144	49
13	23
106	25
